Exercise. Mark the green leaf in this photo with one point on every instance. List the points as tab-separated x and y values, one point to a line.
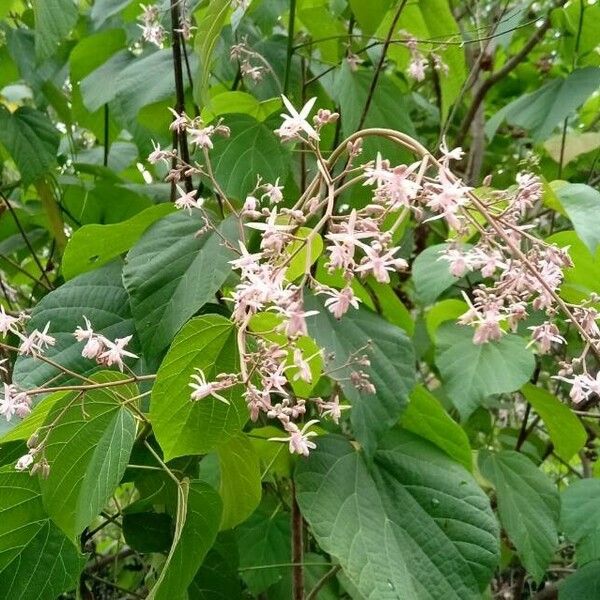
440	312
90	438
37	561
99	296
584	584
431	275
388	108
391	369
304	255
426	417
217	578
369	15
148	531
34	420
31	139
472	372
413	525
103	9
211	21
584	277
94	89
92	246
582	205
251	150
580	518
565	430
441	25
541	111
575	145
172	272
94	50
54	19
180	425
263	540
240	487
528	505
198	533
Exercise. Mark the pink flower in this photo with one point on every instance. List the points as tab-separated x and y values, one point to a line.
81	335
379	264
545	335
274	192
303	367
93	348
339	302
7	322
296	122
202	137
299	439
201	388
24	462
187	200
116	352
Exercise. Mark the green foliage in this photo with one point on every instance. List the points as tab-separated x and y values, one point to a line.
183	427
367	518
473	372
173	272
37	560
137	490
528	505
391	366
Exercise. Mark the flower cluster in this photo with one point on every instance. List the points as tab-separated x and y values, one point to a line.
520	272
99	348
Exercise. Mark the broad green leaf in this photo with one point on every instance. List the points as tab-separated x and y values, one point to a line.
431	274
391	369
575	145
580	518
31	139
541	111
251	150
528	504
240	488
391	306
103	9
426	417
172	272
37	560
94	89
369	15
92	246
244	103
54	19
26	428
180	425
302	254
584	277
148	531
582	205
441	24
584	584
200	526
472	372
147	79
445	310
211	21
90	438
217	578
99	296
263	540
93	50
388	108
413	525
565	430
317	21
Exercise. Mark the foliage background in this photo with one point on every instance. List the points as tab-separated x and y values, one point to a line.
478	482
